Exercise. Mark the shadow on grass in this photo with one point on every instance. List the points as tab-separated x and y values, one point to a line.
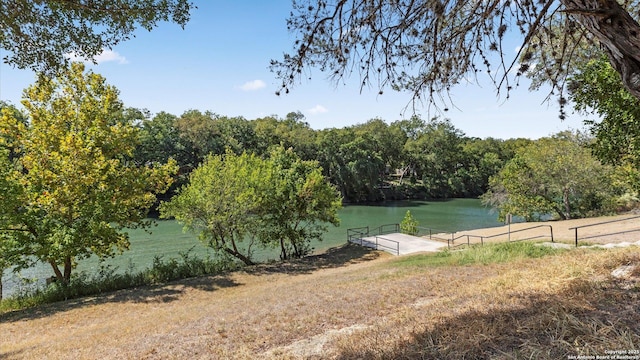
172	291
333	258
164	293
585	320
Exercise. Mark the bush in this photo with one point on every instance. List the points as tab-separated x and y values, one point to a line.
409	225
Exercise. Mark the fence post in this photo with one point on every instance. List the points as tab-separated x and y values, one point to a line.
551	228
576	229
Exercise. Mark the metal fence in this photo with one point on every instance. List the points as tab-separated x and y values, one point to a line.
600	235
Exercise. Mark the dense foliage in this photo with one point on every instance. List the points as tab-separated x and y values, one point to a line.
368	162
281	201
42	34
596	88
72	183
552	176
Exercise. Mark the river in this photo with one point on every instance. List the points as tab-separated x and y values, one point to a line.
168	240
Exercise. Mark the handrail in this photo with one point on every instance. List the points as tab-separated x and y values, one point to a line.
361	232
482	238
520	230
432	231
378	245
602	223
357	235
394	228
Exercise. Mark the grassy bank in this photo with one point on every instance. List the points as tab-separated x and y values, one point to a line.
107	279
504	302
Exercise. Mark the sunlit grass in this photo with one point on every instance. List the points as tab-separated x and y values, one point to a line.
487	254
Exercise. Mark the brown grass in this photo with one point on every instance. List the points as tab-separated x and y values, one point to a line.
352	304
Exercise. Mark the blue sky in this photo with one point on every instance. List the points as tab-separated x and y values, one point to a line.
219	62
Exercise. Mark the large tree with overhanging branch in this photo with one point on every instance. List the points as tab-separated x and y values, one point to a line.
427	46
38	33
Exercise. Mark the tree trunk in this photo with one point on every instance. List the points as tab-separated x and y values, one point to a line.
67	270
567	204
56	270
238	255
296	251
618	33
283	250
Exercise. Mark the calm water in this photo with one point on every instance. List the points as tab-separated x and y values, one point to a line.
168	240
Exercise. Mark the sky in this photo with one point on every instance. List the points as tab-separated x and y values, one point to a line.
220	62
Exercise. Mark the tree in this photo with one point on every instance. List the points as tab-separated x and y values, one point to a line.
597	88
238	134
551	176
436	153
290	132
480	159
160	141
425	46
282	200
38	33
78	184
409	225
9	204
221	201
200	136
298	204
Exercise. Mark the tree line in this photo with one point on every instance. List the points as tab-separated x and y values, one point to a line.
368	162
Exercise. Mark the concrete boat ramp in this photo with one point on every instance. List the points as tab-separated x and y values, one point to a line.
399	244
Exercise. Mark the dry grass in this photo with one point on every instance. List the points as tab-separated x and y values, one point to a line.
352	304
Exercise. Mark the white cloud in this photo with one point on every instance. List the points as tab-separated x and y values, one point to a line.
110	55
105	56
253	85
318	109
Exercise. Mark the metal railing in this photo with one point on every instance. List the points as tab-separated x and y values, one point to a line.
434	234
451	241
358	235
379	245
387	229
605	234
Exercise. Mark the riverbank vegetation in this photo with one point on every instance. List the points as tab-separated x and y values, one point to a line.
106	280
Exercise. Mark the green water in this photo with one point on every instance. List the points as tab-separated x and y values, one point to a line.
168	240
